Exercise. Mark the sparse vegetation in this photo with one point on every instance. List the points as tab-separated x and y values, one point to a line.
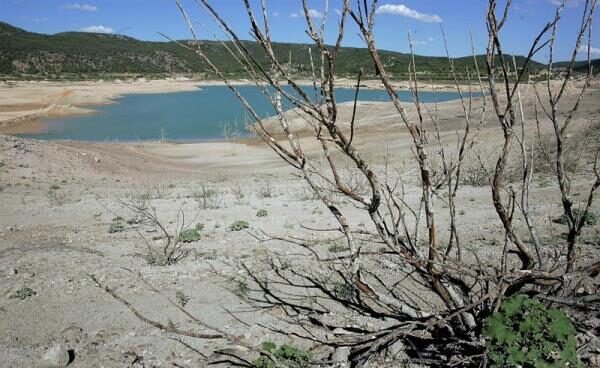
23	293
182	299
265	190
117	225
262	213
169	249
239	225
239	195
208	196
191	235
287	356
338	246
589	219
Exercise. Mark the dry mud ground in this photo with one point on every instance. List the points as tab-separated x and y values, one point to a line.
58	200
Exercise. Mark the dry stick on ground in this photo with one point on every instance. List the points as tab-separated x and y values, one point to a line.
366	300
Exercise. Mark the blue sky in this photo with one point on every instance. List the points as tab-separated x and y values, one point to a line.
142	19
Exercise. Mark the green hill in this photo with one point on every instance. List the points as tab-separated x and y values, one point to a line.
580	66
77	55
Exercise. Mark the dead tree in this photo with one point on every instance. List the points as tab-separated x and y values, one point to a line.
390	288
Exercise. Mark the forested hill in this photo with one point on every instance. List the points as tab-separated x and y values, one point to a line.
79	55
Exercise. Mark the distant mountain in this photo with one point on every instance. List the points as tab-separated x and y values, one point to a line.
580	66
80	55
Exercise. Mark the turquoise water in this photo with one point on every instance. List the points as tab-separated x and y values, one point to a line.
210	113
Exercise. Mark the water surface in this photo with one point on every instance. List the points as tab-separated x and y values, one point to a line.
210	113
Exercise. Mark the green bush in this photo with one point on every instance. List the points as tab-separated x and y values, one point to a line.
239	225
525	333
191	235
287	356
262	213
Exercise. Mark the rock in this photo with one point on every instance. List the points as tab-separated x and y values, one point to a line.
96	159
395	349
340	355
72	335
56	357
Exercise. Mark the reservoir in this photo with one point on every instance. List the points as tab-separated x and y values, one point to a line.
209	113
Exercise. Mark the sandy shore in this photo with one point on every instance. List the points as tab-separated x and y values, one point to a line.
23	104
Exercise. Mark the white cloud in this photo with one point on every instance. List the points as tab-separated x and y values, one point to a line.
569	3
405	11
593	50
82	7
313	13
275	14
97	29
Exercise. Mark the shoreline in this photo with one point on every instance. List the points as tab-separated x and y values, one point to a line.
24	105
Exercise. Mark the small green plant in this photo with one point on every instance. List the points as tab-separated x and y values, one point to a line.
262	213
191	235
117	225
182	299
239	225
286	355
23	293
54	187
525	333
590	219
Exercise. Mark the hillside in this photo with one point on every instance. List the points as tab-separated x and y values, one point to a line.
79	55
580	66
